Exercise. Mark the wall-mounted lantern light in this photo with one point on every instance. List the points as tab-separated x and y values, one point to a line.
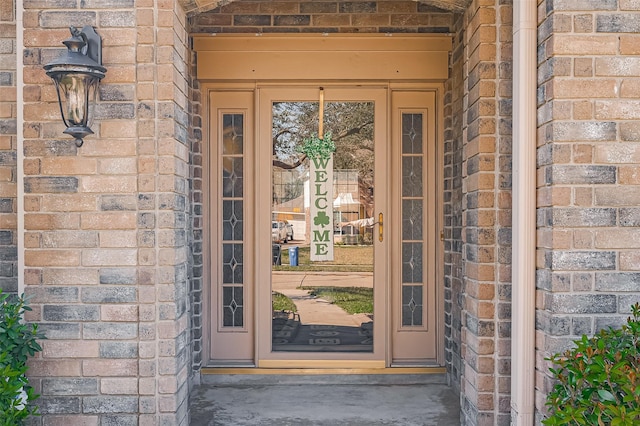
76	75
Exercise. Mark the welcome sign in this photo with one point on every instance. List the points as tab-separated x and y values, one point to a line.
321	209
319	149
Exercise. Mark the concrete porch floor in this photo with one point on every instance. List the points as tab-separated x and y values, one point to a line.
357	400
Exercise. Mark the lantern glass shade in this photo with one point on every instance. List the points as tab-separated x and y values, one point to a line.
77	95
76	75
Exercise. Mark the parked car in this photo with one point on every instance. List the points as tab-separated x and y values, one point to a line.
289	228
279	232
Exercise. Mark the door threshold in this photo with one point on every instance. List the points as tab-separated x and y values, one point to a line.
323	376
320	371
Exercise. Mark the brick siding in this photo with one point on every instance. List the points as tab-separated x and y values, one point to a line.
108	226
453	265
101	236
480	203
317	17
588	190
127	218
195	238
113	230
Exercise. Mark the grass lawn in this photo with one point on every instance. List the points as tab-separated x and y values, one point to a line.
346	259
353	300
281	302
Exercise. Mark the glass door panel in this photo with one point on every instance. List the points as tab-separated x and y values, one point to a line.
322	273
322	228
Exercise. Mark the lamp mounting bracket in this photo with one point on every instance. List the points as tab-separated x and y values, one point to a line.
94	43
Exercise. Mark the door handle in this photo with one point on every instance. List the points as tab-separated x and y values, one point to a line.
380	227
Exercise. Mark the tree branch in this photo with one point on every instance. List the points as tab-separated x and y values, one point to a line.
288	166
352	131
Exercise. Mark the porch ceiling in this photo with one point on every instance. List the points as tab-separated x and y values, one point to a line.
193	7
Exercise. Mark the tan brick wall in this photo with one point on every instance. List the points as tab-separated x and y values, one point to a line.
113	252
588	189
8	114
83	242
480	182
453	265
196	240
312	16
107	224
108	263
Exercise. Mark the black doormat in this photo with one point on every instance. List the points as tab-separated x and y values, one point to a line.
290	335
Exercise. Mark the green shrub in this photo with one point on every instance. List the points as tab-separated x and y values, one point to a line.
598	381
17	343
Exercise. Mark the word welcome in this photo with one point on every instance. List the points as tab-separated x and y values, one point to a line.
321	209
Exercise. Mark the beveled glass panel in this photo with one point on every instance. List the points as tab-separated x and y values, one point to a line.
232	296
411	133
412	305
412	176
411	262
232	264
232	223
412	219
232	134
232	305
232	173
232	215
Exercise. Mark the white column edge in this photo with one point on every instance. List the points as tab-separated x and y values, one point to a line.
20	144
523	213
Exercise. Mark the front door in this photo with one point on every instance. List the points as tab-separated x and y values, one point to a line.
328	262
336	205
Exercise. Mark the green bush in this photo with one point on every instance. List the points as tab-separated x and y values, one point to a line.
598	381
17	343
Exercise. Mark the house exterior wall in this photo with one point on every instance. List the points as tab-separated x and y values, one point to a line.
113	242
478	197
588	172
106	225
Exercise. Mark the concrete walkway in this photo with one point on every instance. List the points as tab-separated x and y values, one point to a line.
323	399
333	400
313	310
289	279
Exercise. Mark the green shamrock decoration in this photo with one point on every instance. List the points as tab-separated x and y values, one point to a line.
321	219
314	147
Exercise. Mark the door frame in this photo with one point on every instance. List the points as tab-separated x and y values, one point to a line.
211	50
266	357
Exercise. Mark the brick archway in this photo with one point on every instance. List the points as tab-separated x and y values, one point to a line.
192	7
